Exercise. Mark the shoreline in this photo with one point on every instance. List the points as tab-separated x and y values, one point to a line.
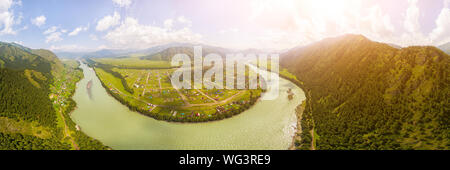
298	130
298	114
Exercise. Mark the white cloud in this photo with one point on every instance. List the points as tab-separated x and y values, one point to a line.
53	37
7	18
93	37
54	34
441	34
75	48
289	23
108	21
78	30
168	23
411	23
131	34
183	20
50	30
122	3
39	21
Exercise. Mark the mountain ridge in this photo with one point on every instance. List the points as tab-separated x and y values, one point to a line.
369	95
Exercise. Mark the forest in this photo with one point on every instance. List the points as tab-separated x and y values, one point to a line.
368	95
28	80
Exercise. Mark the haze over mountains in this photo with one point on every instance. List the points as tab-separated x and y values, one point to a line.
165	50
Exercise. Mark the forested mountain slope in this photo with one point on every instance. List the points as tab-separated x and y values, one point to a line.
25	78
35	88
369	95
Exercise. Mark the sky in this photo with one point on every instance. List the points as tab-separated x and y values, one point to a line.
86	25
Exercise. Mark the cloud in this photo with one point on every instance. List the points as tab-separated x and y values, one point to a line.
7	18
51	30
108	21
183	20
441	34
122	3
78	30
132	34
411	23
289	23
54	34
168	23
93	37
74	48
39	21
53	37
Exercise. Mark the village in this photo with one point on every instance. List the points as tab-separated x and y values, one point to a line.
154	95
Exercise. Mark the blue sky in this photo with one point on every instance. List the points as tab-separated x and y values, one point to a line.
87	25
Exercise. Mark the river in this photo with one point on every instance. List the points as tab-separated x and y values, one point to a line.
268	125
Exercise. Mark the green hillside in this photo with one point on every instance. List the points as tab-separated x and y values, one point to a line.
16	58
35	99
368	95
57	66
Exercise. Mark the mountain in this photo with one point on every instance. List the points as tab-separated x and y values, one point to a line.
394	45
159	52
17	58
445	47
56	65
25	79
369	95
70	55
167	54
29	78
27	116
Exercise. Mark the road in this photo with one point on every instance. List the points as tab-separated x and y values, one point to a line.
66	131
215	101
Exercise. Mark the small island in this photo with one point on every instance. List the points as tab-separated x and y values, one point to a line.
290	94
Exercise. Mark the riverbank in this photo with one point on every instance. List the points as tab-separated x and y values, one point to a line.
268	125
68	84
296	139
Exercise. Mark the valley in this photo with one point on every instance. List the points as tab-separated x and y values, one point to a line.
105	118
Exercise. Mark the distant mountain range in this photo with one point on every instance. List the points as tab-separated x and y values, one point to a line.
369	95
163	50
